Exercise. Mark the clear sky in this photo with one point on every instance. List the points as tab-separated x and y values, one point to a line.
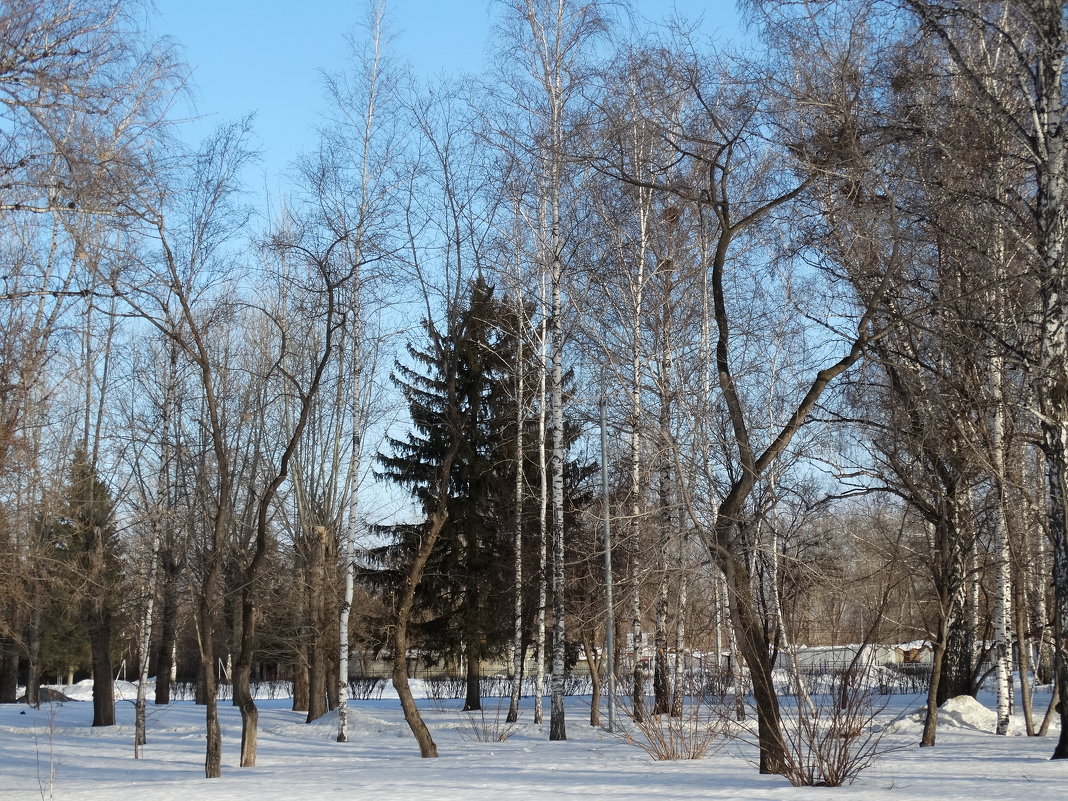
266	57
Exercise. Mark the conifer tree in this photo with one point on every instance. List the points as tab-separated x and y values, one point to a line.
466	575
86	534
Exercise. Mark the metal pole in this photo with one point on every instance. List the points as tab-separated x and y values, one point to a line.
610	618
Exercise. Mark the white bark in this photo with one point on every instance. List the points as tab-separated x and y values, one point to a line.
517	540
144	641
543	532
1003	588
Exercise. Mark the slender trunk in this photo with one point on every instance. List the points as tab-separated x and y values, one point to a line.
1059	529
144	643
99	619
609	657
348	566
317	651
957	673
543	529
33	648
678	696
1023	655
301	684
666	486
473	654
207	615
168	636
557	726
930	723
517	532
590	648
661	671
9	670
427	748
1002	595
1051	711
785	642
243	699
637	695
332	680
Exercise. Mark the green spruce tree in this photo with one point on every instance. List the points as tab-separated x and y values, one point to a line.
466	577
93	538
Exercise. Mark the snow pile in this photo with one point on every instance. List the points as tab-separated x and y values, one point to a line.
965	712
360	725
83	690
962	712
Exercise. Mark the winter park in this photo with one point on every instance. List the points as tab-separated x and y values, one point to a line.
52	752
534	399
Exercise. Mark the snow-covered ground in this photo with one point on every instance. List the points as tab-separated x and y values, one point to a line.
53	753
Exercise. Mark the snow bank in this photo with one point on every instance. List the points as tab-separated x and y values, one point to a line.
962	712
965	712
83	690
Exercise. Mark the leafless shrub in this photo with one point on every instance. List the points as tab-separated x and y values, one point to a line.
495	687
702	729
577	685
46	778
445	688
831	740
483	729
366	688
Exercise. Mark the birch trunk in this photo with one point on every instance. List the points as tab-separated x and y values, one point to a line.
543	531
557	728
1039	49
517	534
144	643
347	544
1003	588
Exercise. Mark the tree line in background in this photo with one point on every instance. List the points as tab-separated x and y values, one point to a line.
819	283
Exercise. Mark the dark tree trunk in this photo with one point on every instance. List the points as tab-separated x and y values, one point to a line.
661	671
958	667
317	658
168	636
300	684
316	681
333	678
103	678
243	699
9	671
33	656
589	646
930	724
427	747
473	697
209	690
752	641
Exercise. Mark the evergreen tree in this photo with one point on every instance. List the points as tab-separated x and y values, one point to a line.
94	543
466	577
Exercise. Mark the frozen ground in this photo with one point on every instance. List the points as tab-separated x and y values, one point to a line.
53	753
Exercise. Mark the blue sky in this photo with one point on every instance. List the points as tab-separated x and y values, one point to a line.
266	58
